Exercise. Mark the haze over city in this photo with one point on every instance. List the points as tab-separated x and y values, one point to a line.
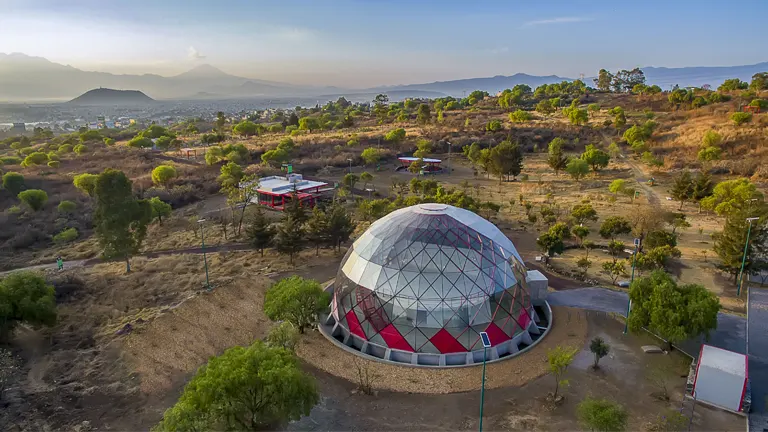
369	43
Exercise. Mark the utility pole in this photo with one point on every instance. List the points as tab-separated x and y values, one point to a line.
631	279
449	157
208	286
744	257
486	344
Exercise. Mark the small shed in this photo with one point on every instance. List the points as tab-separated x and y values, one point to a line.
721	378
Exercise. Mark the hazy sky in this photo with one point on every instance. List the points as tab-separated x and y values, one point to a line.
365	43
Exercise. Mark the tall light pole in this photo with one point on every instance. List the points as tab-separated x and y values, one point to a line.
486	344
205	257
631	279
350	165
449	157
744	257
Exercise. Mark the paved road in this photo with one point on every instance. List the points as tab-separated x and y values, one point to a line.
758	358
730	333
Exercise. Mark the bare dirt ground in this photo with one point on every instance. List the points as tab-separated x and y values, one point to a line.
624	377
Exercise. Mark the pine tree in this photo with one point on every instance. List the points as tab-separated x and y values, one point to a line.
295	210
290	238
260	231
682	189
557	160
702	188
339	226
317	229
729	244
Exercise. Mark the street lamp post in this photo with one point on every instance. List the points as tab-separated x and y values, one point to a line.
744	257
449	157
205	257
631	279
486	344
350	165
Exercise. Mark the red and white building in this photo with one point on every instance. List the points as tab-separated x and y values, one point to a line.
277	191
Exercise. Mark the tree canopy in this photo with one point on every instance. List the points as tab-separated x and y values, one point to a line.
163	174
675	312
246	388
296	300
25	297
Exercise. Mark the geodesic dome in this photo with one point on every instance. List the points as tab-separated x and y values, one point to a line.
428	279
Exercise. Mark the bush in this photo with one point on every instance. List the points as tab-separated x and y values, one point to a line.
25	297
276	128
80	149
35	158
740	118
283	335
14	209
34	198
290	128
65	236
520	116
67	206
54	164
494	126
64	148
163	174
10	160
297	132
109	142
13	182
601	415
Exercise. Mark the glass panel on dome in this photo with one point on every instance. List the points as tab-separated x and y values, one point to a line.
479	313
370	275
428	348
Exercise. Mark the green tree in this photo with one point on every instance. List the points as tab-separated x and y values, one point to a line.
595	157
138	142
86	183
244	389
366	178
109	142
35	199
580	232
617	186
259	231
603	80
340	226
614	226
729	243
160	209
614	270
545	107
702	188
423	115
494	126
602	415
231	176
350	180
731	196
733	84
245	128
25	297
613	150
506	159
13	182
741	118
674	312
582	213
66	236
296	300
682	187
711	139
283	335
558	360
309	124
120	219
599	349
423	148
577	168
395	135
371	156
472	152
576	116
556	159
290	237
317	229
709	154
551	242
163	174
759	82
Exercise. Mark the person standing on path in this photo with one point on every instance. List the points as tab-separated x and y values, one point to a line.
60	263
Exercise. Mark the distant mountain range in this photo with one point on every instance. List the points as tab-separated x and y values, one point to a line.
25	78
110	97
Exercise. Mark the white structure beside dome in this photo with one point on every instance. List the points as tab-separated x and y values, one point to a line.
421	284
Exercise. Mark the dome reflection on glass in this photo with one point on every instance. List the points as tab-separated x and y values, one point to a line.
428	279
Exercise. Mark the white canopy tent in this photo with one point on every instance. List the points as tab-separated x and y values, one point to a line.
721	378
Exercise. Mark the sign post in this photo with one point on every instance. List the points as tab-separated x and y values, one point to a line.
486	345
631	279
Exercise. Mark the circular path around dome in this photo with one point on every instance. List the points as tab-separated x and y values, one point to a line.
321	353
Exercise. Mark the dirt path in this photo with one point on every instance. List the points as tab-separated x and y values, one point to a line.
653	198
